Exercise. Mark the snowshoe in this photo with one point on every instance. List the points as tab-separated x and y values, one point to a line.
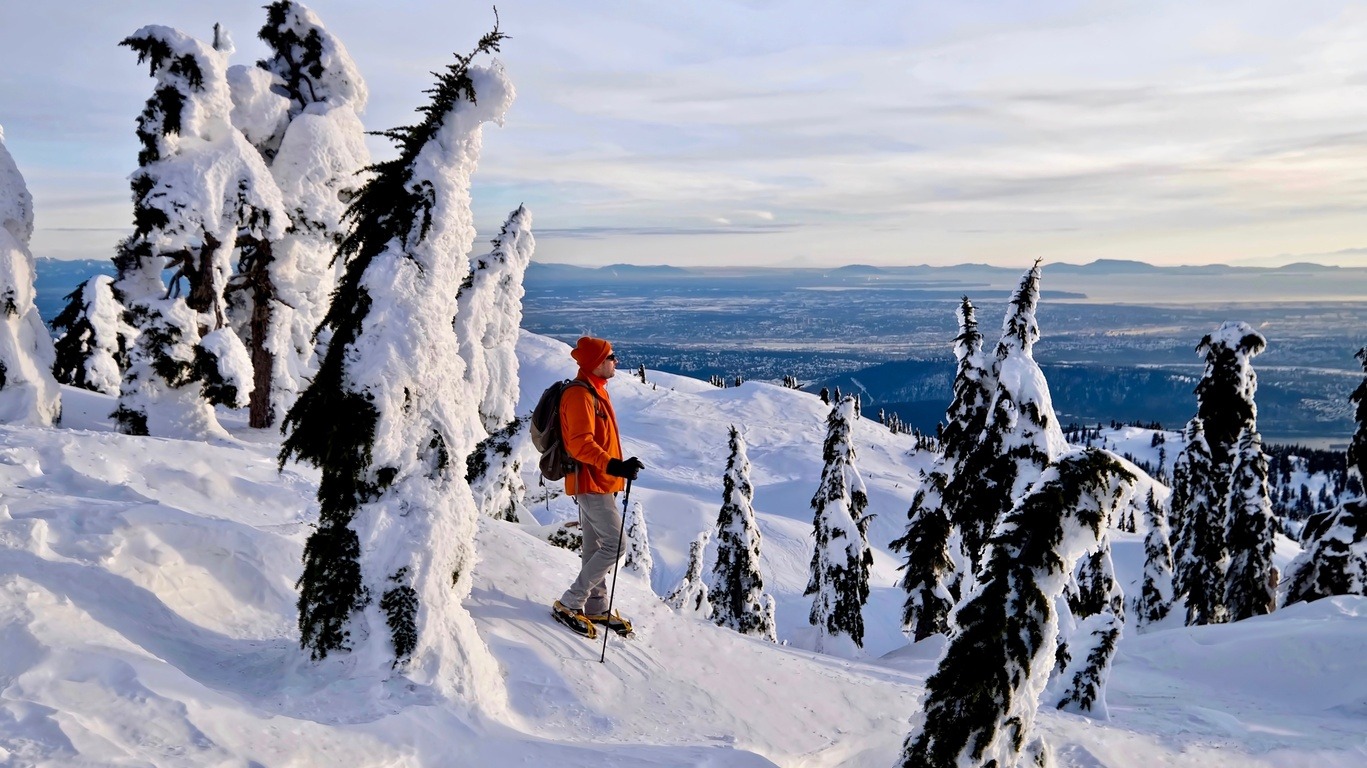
615	622
577	622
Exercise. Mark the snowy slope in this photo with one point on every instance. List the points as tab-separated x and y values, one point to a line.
147	618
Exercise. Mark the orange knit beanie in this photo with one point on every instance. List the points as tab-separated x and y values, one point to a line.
590	353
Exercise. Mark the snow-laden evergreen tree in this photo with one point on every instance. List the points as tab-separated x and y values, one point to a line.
199	188
387	418
28	392
636	552
300	108
1098	609
691	594
1335	558
839	574
489	314
1225	394
931	576
1156	587
980	704
1198	505
494	471
1020	435
738	597
92	350
1249	528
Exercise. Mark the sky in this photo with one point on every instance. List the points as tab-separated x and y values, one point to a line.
800	133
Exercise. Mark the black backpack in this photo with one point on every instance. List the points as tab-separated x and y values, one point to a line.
555	462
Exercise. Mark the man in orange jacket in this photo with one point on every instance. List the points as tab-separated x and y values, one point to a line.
588	428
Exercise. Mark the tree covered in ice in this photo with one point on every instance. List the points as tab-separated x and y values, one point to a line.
1156	585
494	471
637	557
92	350
690	595
739	601
488	316
387	418
980	704
839	573
1020	433
199	188
28	392
300	108
931	576
1198	508
1249	590
1225	394
1334	561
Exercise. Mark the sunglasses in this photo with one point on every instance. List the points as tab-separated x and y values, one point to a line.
612	357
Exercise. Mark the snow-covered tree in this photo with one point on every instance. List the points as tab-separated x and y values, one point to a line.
489	314
1198	508
28	392
636	554
1335	558
1020	435
1225	393
93	348
738	597
1249	590
1156	588
387	418
199	189
1097	607
839	580
494	471
691	594
930	575
980	703
300	108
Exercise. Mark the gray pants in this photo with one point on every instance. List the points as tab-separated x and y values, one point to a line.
601	522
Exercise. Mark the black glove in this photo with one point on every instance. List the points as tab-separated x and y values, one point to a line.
628	469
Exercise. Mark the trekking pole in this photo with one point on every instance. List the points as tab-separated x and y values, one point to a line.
612	593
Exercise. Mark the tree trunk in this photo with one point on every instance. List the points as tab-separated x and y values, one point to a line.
259	412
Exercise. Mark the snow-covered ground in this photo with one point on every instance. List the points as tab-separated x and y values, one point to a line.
147	618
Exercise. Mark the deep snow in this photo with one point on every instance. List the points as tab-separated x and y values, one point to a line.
147	618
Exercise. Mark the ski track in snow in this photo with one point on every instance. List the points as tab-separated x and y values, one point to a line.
147	618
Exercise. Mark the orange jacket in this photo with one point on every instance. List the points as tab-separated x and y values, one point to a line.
588	427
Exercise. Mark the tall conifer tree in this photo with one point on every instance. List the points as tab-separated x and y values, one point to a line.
738	597
839	581
931	576
387	418
1335	558
28	392
1200	553
980	703
198	189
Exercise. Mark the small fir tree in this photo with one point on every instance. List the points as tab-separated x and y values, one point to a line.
1155	596
980	704
739	601
1335	558
28	392
691	595
92	350
387	416
1249	590
494	471
488	316
839	581
637	558
930	573
1097	608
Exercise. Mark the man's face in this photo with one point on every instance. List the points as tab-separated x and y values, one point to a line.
608	368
